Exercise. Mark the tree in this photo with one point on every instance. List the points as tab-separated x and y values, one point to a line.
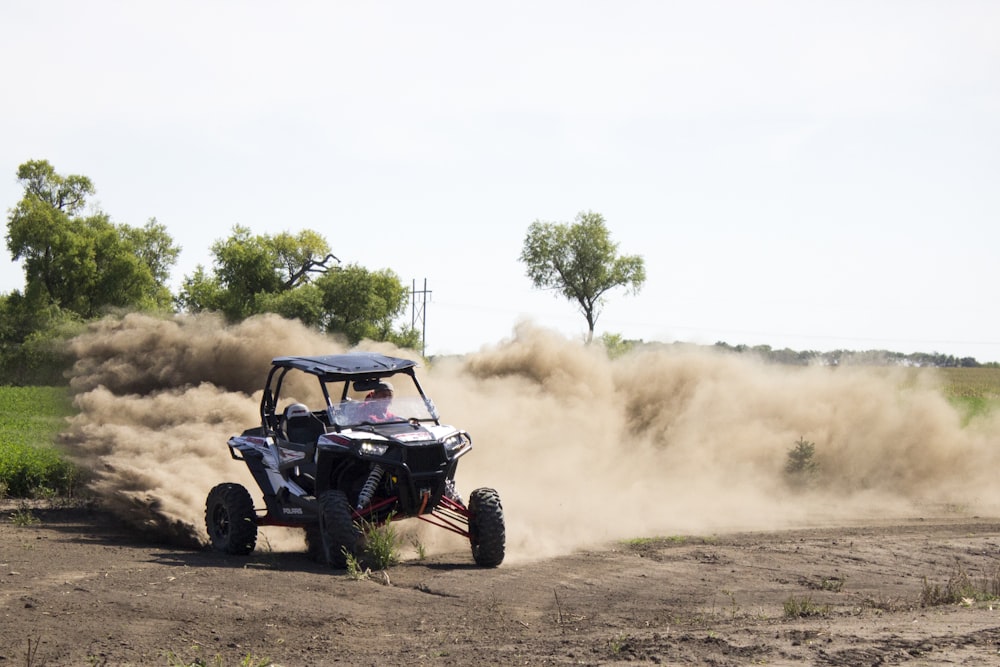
154	246
303	303
84	264
252	271
67	194
580	262
364	304
290	274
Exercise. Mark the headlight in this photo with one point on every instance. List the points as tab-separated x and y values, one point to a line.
373	449
455	442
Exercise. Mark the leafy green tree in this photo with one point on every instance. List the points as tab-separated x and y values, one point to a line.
154	247
252	271
201	291
84	264
580	262
363	304
290	274
304	303
67	194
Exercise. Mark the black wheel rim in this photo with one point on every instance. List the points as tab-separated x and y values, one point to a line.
220	519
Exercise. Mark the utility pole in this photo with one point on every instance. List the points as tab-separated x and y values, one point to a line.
419	314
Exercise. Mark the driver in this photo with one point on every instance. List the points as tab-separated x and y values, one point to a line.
377	401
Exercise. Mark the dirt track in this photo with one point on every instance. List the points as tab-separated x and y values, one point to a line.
77	589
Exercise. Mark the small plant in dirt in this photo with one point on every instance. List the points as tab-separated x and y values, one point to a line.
420	547
734	608
23	516
832	584
32	653
619	644
380	550
882	603
804	607
355	570
801	466
961	588
565	616
381	545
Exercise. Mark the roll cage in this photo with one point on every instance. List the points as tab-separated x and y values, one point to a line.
360	371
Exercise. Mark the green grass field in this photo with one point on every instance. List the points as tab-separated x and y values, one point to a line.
974	391
971	382
30	464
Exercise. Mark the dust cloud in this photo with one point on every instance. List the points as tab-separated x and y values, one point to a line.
159	398
665	441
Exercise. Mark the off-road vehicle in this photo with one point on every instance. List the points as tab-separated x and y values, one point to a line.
374	451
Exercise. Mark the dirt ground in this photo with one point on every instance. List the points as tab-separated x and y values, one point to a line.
76	588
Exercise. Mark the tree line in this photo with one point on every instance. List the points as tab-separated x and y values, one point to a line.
80	265
854	357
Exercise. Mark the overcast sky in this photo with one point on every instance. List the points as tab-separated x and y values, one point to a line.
816	175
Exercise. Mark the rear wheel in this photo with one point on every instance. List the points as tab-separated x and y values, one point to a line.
230	519
487	532
340	537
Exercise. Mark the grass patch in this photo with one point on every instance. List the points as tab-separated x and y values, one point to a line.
619	643
973	391
380	549
381	545
23	516
962	588
831	584
420	548
804	607
30	463
881	603
355	570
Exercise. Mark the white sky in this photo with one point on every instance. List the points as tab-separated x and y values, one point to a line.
816	175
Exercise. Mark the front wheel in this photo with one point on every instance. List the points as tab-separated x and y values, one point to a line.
230	519
339	536
487	533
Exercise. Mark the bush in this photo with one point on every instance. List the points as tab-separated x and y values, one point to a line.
33	349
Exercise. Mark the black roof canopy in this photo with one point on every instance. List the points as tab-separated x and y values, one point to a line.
345	366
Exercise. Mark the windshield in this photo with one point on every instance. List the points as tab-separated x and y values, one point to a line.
382	411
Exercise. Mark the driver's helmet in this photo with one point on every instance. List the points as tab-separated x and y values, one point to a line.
296	410
382	390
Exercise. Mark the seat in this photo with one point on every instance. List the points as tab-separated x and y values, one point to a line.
301	425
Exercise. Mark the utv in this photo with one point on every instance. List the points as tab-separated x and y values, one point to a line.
374	452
